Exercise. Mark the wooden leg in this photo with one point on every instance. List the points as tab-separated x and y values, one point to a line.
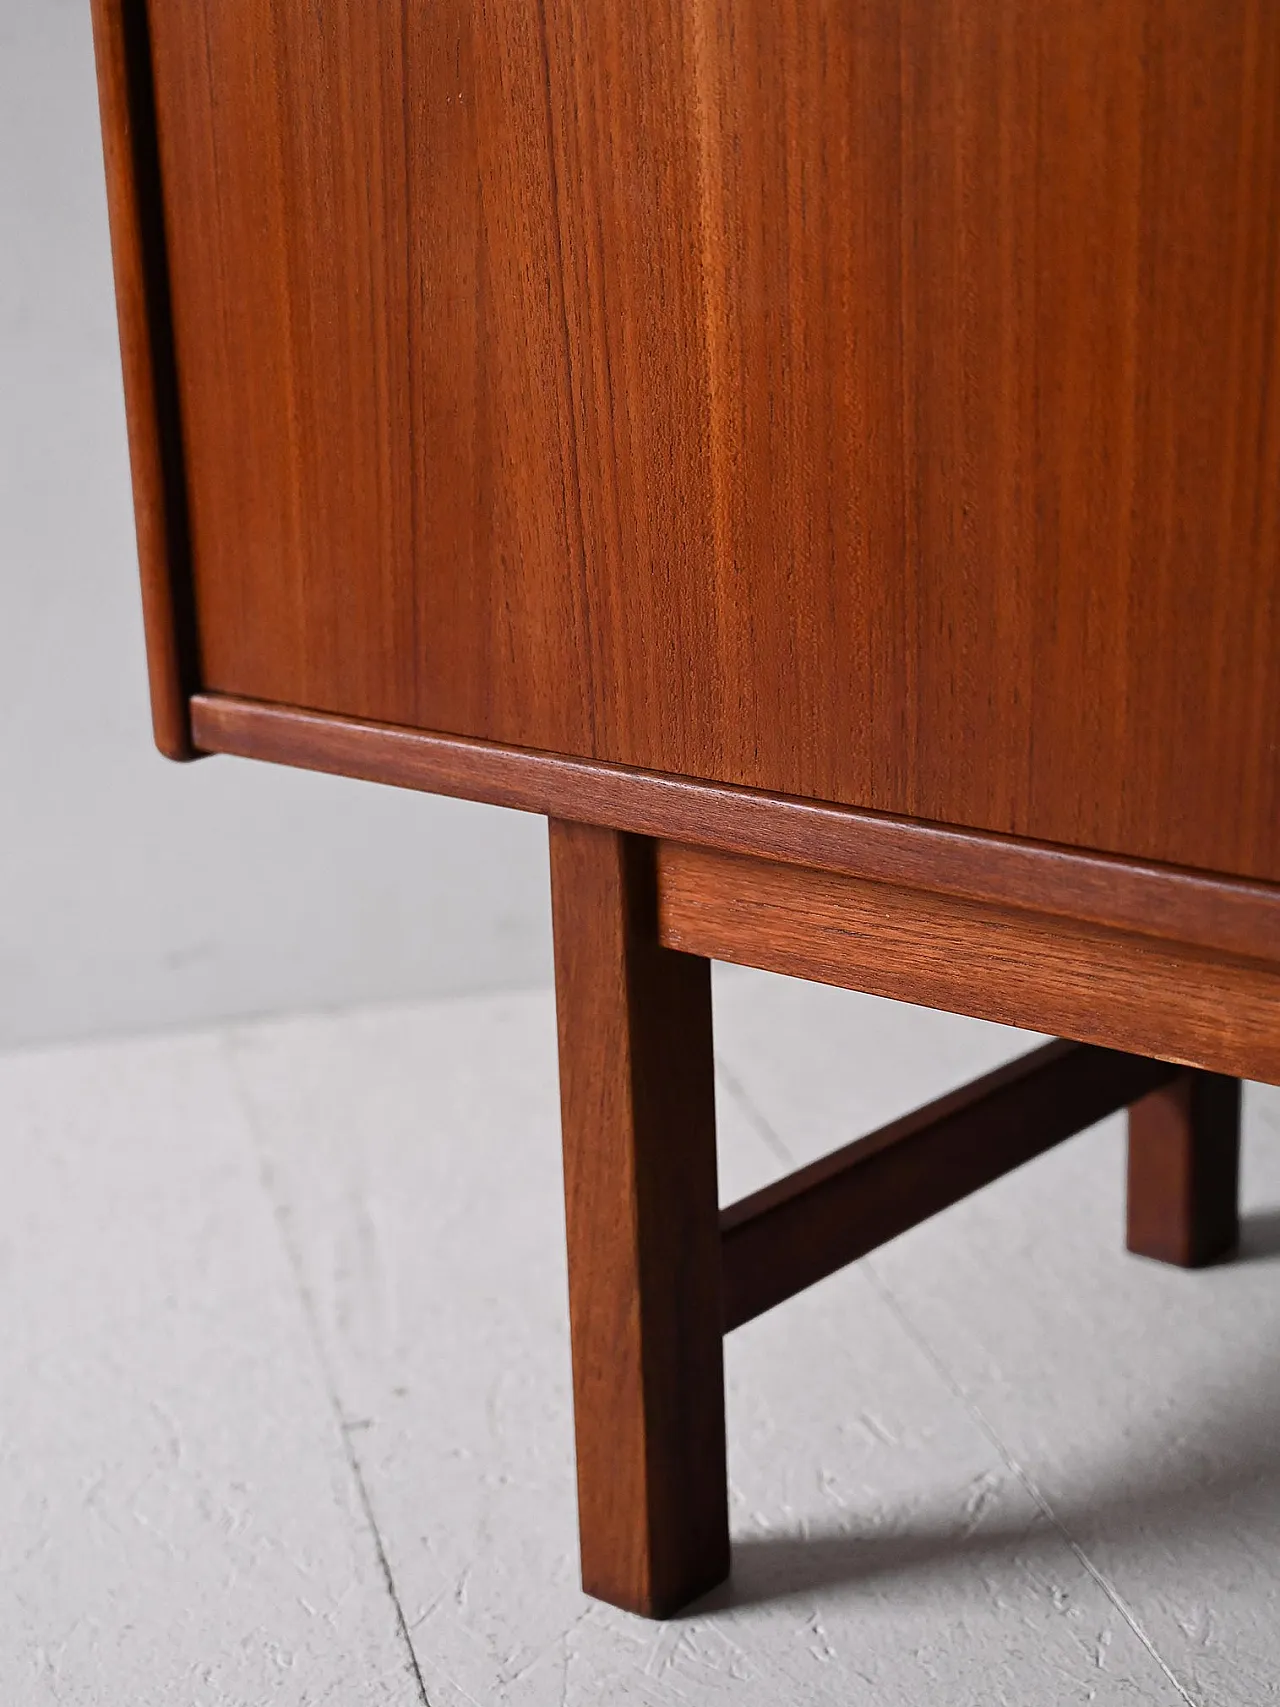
638	1114
1184	1170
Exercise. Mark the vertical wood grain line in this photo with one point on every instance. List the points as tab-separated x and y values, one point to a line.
574	511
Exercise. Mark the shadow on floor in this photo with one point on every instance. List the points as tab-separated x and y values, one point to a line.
1260	1237
1203	1476
771	1569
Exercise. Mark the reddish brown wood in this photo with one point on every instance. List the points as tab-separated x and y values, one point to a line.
126	98
1184	1171
1021	968
806	1226
638	1112
872	403
1234	917
844	435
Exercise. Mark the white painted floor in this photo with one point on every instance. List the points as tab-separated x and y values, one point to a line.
284	1391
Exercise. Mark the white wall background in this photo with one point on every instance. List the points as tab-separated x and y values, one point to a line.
135	893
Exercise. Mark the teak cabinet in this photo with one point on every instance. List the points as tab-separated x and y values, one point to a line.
825	455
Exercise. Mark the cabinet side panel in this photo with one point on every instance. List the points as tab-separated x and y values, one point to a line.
371	317
126	100
873	402
991	298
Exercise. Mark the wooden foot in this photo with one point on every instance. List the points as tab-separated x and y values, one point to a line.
638	1113
1184	1170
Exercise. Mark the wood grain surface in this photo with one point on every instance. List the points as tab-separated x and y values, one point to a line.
1012	965
638	1113
821	1217
876	403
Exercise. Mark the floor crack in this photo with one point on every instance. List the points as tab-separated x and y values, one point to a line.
346	1427
762	1127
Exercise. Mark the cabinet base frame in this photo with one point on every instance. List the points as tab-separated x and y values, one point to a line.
658	1274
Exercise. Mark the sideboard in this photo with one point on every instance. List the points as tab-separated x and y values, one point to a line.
824	457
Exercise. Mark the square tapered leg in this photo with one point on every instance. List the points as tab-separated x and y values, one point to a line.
638	1115
1184	1171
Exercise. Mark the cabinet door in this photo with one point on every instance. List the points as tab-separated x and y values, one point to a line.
874	400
